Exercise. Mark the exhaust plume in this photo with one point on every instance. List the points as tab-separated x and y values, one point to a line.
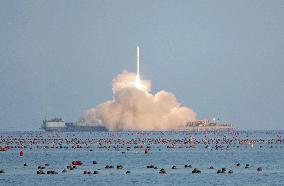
134	107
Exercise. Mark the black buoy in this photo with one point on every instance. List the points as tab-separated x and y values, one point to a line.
94	162
174	167
127	172
211	167
2	171
195	170
238	164
40	172
162	171
40	167
230	172
25	165
259	169
247	166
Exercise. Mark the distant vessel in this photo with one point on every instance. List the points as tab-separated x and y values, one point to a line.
208	125
59	125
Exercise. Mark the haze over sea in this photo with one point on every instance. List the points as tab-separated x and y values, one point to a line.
137	150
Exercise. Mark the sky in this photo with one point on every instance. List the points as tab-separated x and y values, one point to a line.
223	59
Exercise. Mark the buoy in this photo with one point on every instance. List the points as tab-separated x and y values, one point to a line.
21	153
146	151
40	167
187	166
150	166
77	163
195	170
162	171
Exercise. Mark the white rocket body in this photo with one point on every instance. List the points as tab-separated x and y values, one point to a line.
137	64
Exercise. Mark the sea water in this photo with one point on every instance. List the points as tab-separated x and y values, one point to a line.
263	149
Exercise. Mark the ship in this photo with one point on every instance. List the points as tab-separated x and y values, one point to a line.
59	125
209	125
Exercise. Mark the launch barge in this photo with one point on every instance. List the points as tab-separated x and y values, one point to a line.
208	125
58	125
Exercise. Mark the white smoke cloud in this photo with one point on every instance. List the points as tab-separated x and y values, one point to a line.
133	108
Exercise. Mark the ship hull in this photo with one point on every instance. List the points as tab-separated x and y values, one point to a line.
210	128
75	129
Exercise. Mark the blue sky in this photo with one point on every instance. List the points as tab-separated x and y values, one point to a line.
221	58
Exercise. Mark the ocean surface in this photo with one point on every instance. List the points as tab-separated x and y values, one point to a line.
263	150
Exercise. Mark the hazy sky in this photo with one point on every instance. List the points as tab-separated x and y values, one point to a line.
221	58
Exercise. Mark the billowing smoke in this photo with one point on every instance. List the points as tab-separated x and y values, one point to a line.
133	107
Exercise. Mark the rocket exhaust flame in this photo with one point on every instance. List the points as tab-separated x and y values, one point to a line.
133	107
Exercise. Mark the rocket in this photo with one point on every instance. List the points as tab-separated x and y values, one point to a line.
137	82
137	63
